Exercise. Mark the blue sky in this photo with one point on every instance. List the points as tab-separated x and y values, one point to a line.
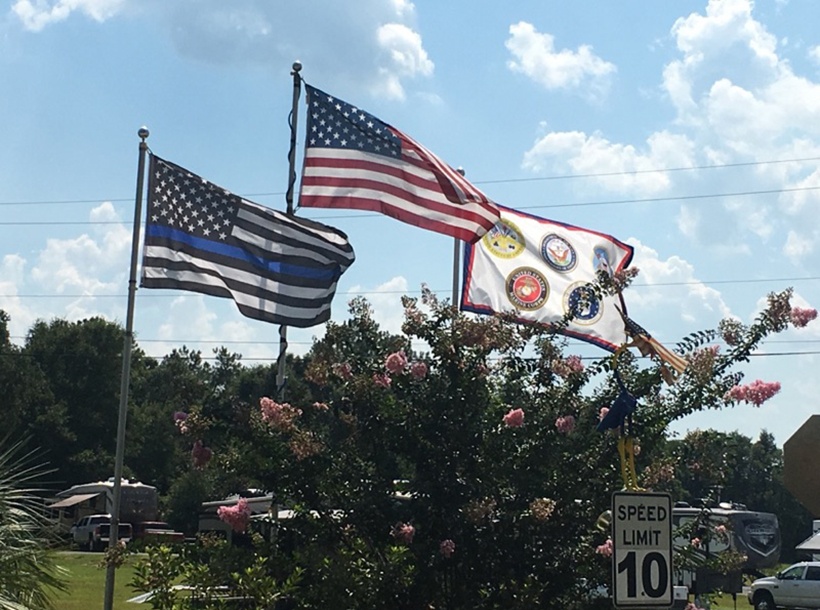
566	110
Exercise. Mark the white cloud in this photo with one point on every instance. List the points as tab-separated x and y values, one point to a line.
798	247
37	14
594	154
535	56
12	276
386	302
814	54
672	287
405	58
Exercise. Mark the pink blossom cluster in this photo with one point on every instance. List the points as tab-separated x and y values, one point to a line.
514	418
181	422
542	508
396	362
418	370
565	424
702	362
731	331
447	548
567	366
382	380
605	549
602	413
343	370
201	455
755	393
403	532
801	316
278	415
237	516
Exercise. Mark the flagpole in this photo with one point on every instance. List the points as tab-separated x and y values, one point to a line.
128	340
456	260
294	115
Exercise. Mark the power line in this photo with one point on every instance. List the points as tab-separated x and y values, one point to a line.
169	295
497	181
529	207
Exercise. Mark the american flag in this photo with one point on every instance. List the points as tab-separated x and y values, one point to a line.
353	160
202	238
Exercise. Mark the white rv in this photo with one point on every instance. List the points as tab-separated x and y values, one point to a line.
138	502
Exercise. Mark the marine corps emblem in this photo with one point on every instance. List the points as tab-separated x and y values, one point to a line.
527	289
504	240
558	253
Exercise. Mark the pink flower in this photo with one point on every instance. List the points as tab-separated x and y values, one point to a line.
755	393
695	542
343	370
565	424
396	362
568	366
382	380
237	516
602	413
514	418
605	549
447	548
320	406
403	532
801	316
278	415
201	455
418	370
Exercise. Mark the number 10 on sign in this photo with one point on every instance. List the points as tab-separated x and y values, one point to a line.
642	550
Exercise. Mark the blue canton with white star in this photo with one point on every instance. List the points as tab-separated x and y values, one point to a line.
333	123
187	202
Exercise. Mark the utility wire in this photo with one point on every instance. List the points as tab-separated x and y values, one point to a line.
497	181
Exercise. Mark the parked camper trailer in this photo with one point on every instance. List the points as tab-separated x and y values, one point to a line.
751	533
138	502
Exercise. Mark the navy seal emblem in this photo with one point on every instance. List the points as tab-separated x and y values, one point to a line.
558	253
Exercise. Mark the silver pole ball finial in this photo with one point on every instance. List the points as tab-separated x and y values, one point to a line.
143	132
297	65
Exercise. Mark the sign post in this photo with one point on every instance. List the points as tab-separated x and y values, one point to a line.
642	550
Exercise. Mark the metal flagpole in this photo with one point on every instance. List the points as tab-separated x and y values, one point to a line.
294	114
456	260
128	340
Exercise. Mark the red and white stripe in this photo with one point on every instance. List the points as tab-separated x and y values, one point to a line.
418	189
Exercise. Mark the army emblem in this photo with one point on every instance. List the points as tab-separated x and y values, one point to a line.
504	240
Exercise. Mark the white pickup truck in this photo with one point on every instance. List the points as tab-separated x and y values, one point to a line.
797	586
92	532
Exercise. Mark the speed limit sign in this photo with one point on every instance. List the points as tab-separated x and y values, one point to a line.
642	550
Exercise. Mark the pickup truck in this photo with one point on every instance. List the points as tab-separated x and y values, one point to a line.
797	586
93	532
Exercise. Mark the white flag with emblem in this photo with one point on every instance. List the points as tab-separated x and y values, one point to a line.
540	269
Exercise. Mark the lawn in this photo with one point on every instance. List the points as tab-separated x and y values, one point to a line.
86	582
87	586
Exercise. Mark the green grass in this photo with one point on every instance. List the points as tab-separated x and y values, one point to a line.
86	583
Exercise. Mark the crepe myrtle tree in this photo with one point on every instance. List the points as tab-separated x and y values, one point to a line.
467	473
